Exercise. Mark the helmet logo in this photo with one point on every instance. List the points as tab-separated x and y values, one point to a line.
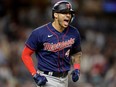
68	6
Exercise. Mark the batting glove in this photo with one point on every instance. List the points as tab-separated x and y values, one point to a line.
40	80
75	75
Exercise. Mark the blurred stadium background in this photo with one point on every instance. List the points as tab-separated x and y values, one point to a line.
96	21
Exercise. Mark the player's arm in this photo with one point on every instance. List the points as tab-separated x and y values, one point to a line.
76	54
76	60
30	47
27	59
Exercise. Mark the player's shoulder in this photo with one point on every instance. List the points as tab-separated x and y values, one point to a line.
73	29
40	29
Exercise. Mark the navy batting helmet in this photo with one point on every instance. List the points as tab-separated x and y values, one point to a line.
62	7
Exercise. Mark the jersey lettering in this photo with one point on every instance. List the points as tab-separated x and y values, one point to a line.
58	46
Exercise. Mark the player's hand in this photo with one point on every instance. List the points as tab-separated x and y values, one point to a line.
75	75
40	80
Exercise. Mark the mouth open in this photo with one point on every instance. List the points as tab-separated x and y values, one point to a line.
66	21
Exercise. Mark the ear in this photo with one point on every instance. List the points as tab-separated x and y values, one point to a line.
55	15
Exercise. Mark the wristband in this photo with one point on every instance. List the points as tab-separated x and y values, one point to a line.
76	66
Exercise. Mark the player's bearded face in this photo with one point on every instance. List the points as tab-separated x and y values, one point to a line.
64	19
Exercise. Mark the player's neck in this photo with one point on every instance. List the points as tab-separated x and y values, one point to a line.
58	27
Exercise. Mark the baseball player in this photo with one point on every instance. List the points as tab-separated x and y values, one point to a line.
53	44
